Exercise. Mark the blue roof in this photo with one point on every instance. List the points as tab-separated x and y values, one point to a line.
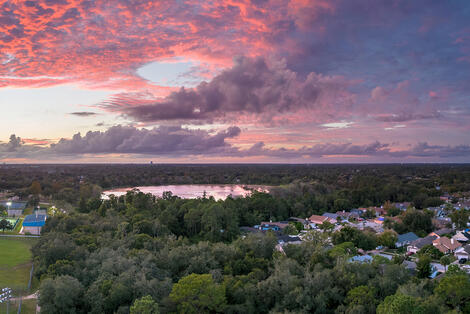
34	221
407	237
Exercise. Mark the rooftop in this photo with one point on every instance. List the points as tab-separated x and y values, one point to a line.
407	237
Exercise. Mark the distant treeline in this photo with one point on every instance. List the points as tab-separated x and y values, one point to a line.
321	187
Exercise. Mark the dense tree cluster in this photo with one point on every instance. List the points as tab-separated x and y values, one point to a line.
417	221
140	254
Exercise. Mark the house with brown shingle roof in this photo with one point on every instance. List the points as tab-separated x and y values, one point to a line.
446	245
318	220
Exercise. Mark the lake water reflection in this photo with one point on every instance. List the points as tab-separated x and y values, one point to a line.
195	190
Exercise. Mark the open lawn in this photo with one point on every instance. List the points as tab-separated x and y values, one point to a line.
15	263
27	307
15	251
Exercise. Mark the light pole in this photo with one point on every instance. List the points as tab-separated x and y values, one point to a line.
5	295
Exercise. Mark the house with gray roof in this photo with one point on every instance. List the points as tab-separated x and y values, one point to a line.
418	244
331	216
405	239
441	232
463	252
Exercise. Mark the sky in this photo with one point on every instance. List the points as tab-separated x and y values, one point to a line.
234	81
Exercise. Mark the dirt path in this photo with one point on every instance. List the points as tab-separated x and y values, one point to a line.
28	297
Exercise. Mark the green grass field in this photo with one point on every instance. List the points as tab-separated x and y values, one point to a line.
15	263
15	251
15	266
27	307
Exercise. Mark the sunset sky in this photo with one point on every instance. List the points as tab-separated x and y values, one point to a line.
294	81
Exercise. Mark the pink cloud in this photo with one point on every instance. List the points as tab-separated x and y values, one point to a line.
101	43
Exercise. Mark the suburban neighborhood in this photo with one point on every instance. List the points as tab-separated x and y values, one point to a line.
448	238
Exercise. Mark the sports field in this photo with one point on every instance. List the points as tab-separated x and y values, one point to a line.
15	267
15	251
15	262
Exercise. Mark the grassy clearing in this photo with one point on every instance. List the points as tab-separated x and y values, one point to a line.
27	307
15	251
15	263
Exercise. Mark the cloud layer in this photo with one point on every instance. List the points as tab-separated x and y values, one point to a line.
339	77
252	86
183	142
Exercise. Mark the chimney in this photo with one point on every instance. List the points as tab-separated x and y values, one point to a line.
452	240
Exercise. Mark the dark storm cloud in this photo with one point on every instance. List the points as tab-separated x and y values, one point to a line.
157	141
252	86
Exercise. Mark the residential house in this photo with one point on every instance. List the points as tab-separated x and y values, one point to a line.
446	245
273	226
402	206
416	245
296	219
358	211
462	237
348	215
446	197
439	233
441	222
379	211
318	220
366	224
405	239
463	252
33	224
332	216
439	212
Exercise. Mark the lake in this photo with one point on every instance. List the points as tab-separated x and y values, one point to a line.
218	191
